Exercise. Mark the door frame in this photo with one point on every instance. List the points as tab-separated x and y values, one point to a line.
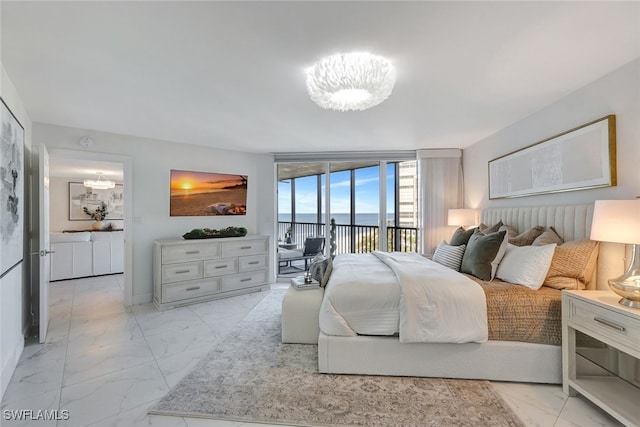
127	169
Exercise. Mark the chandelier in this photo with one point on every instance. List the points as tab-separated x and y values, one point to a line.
350	81
101	183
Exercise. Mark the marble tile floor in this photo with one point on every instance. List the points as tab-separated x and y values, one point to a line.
106	364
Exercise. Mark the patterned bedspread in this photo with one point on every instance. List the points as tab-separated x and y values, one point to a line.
517	313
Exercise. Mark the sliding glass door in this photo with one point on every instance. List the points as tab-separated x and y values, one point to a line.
373	203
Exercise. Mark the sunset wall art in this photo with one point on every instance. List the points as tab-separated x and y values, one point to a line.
207	194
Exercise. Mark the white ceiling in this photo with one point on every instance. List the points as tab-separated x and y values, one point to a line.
231	74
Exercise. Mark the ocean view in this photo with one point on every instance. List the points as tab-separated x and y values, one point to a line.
341	218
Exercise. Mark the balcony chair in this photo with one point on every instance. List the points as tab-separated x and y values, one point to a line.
312	247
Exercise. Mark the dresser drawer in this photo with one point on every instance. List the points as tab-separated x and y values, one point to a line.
616	327
220	267
245	280
252	263
180	272
244	247
193	289
190	252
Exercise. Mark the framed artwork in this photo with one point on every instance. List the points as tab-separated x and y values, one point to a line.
581	158
81	197
11	191
207	194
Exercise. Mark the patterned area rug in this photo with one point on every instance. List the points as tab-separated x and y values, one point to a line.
252	377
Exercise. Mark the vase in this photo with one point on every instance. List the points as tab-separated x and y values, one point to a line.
97	225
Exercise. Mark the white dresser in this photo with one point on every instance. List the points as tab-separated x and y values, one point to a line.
190	271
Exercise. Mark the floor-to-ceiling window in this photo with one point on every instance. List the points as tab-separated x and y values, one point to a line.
363	223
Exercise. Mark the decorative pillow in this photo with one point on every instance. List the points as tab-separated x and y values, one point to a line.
320	269
483	254
511	232
327	272
528	237
449	256
549	236
572	265
486	229
526	265
461	236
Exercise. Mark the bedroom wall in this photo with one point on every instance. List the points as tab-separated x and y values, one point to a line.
14	286
152	161
615	93
59	212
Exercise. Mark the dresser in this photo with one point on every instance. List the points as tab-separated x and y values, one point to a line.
601	352
190	271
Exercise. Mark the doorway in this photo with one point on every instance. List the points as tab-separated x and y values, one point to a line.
68	169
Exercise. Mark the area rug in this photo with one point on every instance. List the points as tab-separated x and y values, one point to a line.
252	377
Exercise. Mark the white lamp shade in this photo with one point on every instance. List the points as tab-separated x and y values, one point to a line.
462	217
616	221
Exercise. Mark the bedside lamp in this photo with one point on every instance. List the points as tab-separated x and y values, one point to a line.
619	221
462	217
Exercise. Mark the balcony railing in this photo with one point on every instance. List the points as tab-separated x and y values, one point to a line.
354	238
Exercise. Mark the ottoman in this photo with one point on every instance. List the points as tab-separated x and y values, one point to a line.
300	312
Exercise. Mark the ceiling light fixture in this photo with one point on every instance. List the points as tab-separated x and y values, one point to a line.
350	81
101	183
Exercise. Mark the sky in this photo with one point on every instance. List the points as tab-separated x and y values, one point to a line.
367	192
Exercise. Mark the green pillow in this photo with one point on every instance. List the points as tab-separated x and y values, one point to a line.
483	254
461	236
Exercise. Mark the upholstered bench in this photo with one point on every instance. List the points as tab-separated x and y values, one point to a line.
300	312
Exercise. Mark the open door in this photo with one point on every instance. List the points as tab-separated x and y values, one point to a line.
44	251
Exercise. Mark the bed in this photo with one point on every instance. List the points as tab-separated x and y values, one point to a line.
374	348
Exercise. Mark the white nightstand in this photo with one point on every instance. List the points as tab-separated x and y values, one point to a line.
608	375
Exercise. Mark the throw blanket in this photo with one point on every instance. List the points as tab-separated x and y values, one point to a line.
437	304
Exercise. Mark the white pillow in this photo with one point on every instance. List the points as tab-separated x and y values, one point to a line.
500	255
526	265
449	256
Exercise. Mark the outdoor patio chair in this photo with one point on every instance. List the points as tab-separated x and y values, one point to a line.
312	247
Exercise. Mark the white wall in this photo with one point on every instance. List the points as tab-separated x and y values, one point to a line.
59	211
616	93
152	162
13	286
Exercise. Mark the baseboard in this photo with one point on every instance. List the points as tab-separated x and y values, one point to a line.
142	299
10	367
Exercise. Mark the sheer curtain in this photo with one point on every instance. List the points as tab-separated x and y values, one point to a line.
441	189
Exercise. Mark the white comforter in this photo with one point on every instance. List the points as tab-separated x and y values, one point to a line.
386	293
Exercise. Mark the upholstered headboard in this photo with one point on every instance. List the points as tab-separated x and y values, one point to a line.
572	222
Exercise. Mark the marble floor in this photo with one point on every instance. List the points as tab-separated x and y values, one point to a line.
106	364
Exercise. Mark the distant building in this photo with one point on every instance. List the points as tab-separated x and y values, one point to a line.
408	194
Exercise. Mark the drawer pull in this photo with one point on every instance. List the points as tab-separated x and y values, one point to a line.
246	280
193	288
222	266
182	271
192	252
245	247
609	323
254	262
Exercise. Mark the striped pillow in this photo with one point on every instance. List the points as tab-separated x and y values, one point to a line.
449	256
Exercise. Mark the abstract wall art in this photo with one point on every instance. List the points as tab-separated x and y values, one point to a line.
578	159
11	190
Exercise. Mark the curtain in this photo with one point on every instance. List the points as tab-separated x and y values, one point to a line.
441	189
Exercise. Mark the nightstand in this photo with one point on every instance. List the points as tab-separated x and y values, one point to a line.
604	364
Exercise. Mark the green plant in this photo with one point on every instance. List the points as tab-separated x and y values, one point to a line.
99	214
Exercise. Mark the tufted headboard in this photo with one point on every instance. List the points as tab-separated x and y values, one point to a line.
572	222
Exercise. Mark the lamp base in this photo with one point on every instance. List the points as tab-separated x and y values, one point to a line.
628	285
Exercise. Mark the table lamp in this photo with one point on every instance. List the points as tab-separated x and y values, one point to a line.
462	217
619	221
